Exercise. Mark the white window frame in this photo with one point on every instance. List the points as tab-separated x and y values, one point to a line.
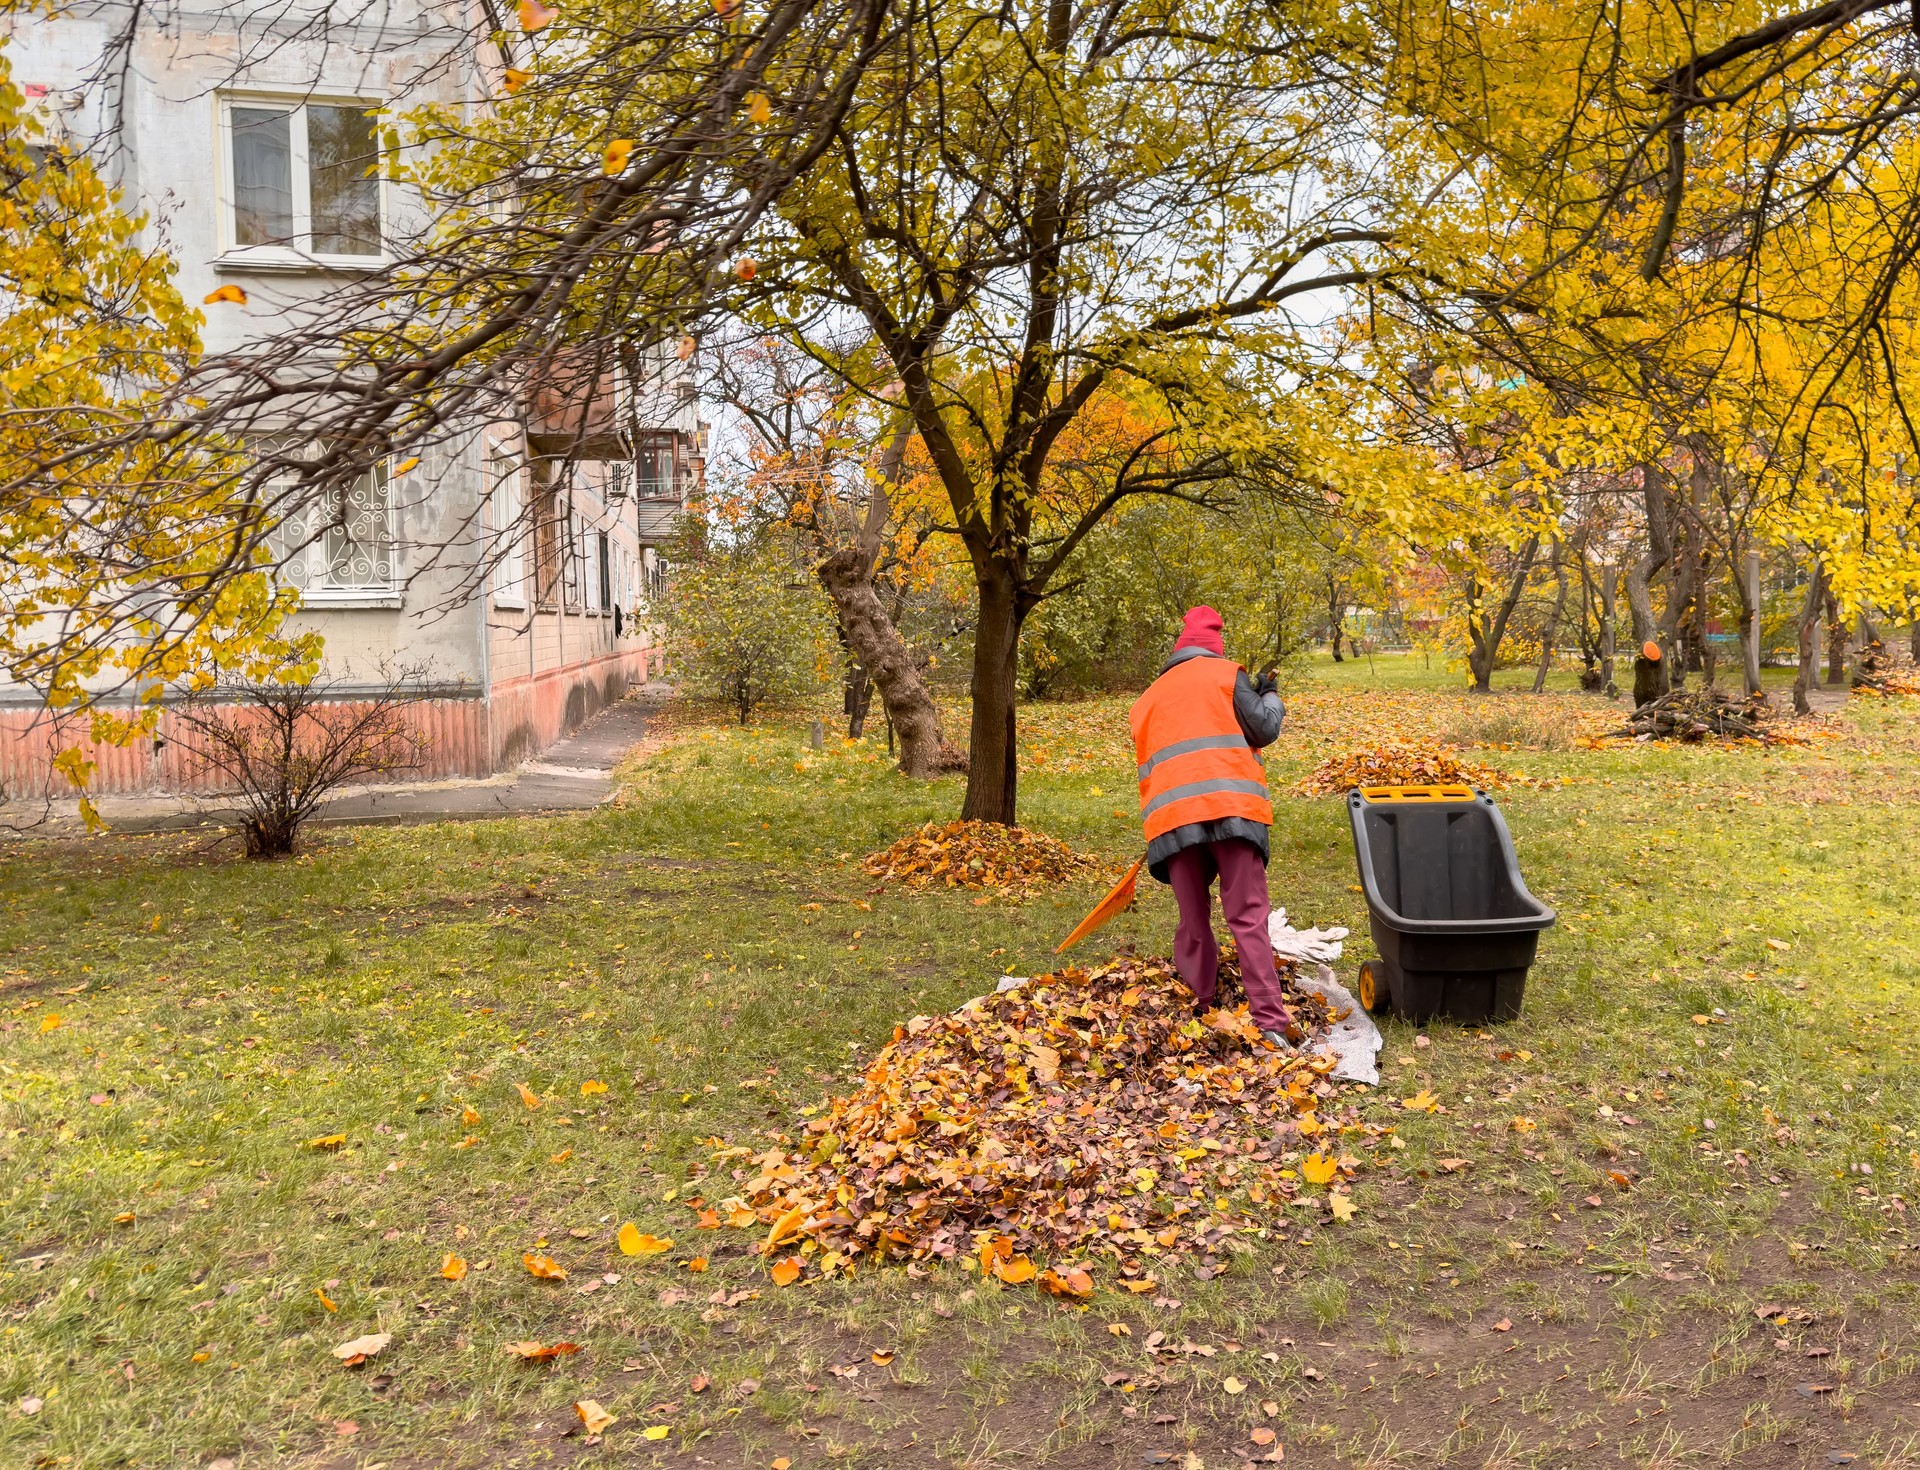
288	257
314	567
506	511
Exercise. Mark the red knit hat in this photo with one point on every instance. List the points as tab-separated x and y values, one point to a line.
1201	630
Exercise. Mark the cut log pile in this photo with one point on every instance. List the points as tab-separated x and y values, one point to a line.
1088	1118
1699	714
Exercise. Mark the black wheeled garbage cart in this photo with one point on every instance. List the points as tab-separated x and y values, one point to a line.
1452	918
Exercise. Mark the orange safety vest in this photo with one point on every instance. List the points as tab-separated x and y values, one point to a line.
1195	763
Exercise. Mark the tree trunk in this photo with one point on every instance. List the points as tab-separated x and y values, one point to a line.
859	700
1649	673
992	771
1809	673
1746	583
1553	621
1486	641
1609	628
888	662
1913	639
1836	641
1334	616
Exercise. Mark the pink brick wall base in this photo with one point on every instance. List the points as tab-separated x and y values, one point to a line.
465	735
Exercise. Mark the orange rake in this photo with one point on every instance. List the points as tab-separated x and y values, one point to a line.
1117	899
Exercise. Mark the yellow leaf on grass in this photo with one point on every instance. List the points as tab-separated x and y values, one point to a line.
594	1417
1234	1385
1318	1169
618	152
656	1431
50	1022
786	1272
782	1463
1015	1270
361	1348
327	1141
454	1268
533	1352
633	1242
469	1115
1422	1101
325	1300
561	1157
527	1094
590	1087
787	1226
698	1263
545	1267
226	293
1342	1206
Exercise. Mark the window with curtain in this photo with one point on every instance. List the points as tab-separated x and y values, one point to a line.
302	178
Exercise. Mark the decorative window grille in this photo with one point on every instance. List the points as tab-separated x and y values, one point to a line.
338	547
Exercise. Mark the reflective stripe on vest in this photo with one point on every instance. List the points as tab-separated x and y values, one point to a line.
1194	761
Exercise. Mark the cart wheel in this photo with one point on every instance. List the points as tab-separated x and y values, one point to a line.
1374	998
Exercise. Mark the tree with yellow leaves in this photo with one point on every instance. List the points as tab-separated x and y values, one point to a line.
126	564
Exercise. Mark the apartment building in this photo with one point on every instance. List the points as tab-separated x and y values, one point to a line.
501	572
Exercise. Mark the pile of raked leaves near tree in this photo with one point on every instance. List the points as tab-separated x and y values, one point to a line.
1078	1128
987	855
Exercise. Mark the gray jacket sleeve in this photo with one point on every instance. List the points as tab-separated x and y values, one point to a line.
1260	715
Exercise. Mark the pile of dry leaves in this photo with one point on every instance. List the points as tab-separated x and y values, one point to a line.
1080	1115
1400	763
979	855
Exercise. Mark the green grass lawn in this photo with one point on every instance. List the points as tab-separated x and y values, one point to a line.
1709	1107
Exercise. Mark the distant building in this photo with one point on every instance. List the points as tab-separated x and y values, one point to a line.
248	152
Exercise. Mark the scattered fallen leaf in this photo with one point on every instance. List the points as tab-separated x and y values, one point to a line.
786	1272
1318	1169
591	1088
545	1267
533	1352
327	1141
454	1268
634	1242
325	1300
1505	1324
1422	1101
1342	1206
469	1115
597	1419
698	1263
1234	1385
1016	1270
527	1094
361	1348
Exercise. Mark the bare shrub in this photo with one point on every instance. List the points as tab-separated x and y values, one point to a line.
284	747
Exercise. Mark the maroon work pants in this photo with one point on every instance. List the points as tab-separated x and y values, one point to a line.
1243	897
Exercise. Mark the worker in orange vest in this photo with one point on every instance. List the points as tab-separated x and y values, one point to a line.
1203	799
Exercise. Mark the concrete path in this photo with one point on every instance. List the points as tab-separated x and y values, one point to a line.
573	774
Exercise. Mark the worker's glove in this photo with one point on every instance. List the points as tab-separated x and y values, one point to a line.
1266	684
